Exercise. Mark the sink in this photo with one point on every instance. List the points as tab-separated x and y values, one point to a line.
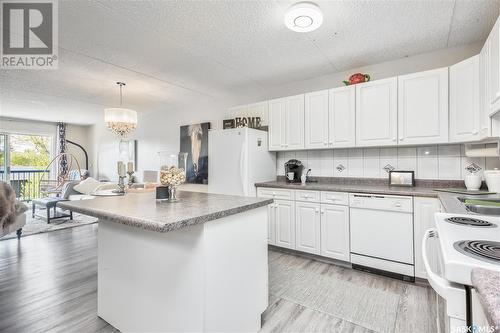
481	206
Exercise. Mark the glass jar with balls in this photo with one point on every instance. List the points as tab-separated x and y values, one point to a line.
172	171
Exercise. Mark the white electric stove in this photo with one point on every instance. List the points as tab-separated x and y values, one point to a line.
465	242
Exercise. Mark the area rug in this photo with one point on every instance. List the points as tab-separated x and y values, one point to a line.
39	225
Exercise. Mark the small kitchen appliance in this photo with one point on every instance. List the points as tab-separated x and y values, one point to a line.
293	171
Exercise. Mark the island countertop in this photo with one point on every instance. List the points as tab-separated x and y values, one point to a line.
141	210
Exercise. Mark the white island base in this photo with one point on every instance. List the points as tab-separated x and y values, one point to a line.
209	277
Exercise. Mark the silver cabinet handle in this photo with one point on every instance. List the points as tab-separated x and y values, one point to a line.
316	210
394	139
475	133
322	211
401	138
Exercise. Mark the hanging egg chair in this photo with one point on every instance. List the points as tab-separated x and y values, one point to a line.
62	167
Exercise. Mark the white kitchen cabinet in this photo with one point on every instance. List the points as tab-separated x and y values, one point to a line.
286	123
316	119
307	222
464	101
493	46
342	117
271	224
423	107
335	232
294	118
423	219
285	223
277	114
484	79
377	113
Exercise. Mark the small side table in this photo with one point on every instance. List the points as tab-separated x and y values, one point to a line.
50	205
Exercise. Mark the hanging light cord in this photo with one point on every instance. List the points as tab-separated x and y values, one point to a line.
121	84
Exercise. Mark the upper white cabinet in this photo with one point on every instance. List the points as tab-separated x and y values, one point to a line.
277	115
376	113
484	91
423	107
342	117
286	123
465	112
493	53
316	119
294	119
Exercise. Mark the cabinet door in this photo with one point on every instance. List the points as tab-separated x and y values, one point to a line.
277	113
342	117
484	79
494	63
316	119
464	101
423	107
307	221
294	120
271	224
423	214
376	113
285	223
335	232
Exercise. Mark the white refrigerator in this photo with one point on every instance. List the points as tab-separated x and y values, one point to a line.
237	159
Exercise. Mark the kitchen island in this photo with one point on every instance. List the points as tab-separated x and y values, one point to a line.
197	265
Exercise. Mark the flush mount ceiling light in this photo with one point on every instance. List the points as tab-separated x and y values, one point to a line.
120	120
303	17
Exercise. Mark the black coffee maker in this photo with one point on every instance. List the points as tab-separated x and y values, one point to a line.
293	171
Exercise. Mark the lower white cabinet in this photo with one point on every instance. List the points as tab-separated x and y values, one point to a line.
335	232
284	223
307	226
423	219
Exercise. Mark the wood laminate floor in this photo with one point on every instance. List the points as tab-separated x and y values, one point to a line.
48	283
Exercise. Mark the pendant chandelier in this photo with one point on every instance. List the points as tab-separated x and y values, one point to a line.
120	120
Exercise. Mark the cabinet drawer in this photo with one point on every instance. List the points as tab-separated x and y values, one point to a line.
309	196
336	198
275	193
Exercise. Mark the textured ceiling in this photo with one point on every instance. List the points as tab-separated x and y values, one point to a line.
175	54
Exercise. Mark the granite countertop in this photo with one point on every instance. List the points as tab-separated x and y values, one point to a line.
142	211
487	285
355	188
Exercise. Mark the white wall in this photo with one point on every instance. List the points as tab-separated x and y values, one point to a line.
77	133
156	131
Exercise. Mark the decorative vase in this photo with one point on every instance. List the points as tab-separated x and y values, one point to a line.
472	182
172	172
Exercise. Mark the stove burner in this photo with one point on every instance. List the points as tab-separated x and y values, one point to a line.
480	249
469	221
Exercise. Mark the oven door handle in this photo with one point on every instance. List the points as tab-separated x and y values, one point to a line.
439	284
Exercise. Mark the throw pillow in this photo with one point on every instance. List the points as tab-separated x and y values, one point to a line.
87	186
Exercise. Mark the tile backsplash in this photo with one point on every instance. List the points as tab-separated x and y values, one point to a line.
446	162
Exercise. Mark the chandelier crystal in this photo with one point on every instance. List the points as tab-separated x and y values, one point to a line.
120	120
